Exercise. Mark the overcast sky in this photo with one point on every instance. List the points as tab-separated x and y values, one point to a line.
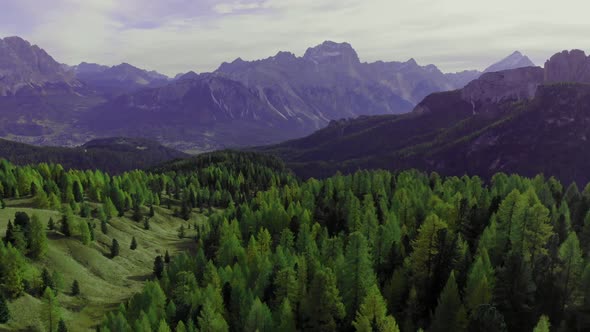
174	36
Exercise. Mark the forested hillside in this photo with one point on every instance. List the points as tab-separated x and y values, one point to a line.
370	251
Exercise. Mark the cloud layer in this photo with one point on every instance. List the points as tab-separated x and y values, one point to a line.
180	35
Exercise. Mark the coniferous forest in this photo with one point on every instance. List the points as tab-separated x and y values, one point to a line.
369	251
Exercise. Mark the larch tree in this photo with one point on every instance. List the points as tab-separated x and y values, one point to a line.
450	314
358	275
372	315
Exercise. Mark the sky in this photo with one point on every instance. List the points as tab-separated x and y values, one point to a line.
173	36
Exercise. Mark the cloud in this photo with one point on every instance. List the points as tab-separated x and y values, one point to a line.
180	35
238	6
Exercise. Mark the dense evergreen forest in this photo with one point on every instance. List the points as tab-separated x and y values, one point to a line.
370	251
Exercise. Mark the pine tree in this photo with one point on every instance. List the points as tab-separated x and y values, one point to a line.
4	311
450	314
75	288
372	315
114	248
133	243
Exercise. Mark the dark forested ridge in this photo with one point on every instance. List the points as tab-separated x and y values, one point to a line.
448	134
369	251
112	155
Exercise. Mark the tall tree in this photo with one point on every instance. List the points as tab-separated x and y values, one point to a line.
358	275
372	315
325	306
51	310
37	238
450	314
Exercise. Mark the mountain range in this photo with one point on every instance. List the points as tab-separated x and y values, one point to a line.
242	103
528	120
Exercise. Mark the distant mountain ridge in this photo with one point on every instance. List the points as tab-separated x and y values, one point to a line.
118	79
113	155
242	103
519	120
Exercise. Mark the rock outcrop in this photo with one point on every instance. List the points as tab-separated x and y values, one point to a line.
494	87
568	66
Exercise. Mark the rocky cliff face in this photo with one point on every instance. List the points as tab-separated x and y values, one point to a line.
495	87
568	66
26	69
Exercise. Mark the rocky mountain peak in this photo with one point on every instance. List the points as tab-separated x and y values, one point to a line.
330	52
568	66
513	61
26	67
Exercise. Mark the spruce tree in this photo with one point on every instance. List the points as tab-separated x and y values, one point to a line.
114	248
65	225
167	257
104	227
133	245
158	267
75	288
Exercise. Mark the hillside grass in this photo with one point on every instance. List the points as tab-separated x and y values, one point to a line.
104	282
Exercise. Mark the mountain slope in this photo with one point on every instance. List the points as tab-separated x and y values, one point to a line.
113	155
510	121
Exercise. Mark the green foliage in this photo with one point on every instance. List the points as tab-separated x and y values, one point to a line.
372	315
75	288
133	245
450	314
51	310
4	311
543	325
114	248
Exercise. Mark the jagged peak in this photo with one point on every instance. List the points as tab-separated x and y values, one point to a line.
332	52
